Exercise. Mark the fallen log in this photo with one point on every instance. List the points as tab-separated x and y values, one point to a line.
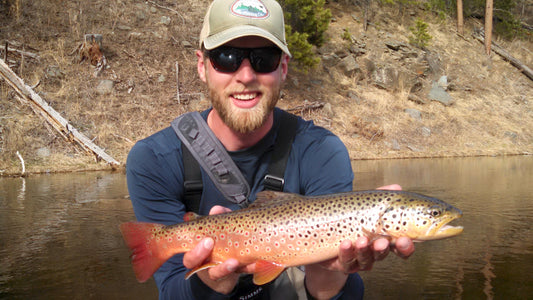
60	124
506	55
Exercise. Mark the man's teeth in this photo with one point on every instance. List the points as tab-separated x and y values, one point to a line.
245	96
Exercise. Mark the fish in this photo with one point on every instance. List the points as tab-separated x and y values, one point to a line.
280	230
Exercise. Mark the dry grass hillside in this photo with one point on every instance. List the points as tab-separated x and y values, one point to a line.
144	41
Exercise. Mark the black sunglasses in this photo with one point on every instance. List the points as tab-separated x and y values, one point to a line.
228	59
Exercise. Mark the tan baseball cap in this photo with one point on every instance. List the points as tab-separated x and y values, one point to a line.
227	20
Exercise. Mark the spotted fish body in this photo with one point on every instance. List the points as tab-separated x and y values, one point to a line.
281	230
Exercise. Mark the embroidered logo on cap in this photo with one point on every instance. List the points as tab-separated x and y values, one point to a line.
250	9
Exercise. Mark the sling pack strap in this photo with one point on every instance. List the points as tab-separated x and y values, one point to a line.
192	184
276	169
202	143
273	180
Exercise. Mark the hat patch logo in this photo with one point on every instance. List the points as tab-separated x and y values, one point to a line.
250	9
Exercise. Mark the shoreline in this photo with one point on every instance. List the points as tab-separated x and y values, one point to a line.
122	168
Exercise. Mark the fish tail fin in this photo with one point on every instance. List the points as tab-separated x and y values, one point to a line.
146	256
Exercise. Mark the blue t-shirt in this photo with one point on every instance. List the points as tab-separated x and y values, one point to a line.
318	164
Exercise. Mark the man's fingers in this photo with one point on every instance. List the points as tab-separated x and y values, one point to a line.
404	247
198	254
364	254
381	249
217	209
391	187
224	269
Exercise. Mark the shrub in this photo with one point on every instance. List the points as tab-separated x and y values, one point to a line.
306	22
420	37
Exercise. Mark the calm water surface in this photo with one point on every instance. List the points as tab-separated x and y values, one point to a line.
59	235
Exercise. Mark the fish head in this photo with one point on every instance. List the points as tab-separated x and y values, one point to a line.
420	218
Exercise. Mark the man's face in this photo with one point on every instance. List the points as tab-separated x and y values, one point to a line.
244	99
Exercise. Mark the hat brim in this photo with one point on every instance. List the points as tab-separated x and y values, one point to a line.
230	34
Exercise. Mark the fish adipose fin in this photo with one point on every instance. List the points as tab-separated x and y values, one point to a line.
266	271
146	256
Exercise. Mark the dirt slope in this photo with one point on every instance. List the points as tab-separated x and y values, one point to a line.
144	41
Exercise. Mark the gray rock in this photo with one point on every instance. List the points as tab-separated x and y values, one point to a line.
43	152
165	20
349	66
105	87
395	144
443	82
414	113
437	93
385	78
426	132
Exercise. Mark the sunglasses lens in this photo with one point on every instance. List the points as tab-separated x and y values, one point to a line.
225	59
229	59
265	60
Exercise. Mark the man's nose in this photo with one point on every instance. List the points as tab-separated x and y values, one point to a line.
245	73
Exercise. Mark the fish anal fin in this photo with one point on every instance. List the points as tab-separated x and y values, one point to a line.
200	268
266	271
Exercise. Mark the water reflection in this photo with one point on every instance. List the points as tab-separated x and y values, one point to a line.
60	238
493	256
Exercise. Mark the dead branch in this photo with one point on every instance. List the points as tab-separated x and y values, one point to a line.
306	107
60	124
506	55
20	52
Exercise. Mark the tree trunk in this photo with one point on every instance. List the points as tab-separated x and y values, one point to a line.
488	25
460	22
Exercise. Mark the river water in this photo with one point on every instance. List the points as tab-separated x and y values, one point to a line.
59	235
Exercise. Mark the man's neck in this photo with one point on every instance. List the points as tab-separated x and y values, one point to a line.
233	140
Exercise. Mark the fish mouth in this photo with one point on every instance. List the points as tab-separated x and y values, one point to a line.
447	231
441	230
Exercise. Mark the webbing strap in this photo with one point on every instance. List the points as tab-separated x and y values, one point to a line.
276	169
193	184
195	134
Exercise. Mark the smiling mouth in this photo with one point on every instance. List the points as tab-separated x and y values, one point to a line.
245	97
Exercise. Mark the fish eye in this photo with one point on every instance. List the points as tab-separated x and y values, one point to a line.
434	211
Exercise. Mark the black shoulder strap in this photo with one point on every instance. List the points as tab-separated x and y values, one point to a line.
192	183
282	147
273	180
207	150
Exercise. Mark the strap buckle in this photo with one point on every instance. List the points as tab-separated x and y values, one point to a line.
273	183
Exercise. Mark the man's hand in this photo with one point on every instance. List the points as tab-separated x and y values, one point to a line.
221	278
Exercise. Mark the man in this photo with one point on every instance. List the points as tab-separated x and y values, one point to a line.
244	61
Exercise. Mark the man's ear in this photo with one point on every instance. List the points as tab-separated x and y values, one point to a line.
201	65
284	66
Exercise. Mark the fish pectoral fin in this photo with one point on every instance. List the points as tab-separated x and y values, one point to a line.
372	236
200	268
266	271
189	216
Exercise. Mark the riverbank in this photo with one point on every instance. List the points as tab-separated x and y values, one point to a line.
373	89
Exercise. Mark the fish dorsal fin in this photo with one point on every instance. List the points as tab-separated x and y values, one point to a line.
267	198
266	271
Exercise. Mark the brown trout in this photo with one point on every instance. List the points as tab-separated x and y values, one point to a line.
281	230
